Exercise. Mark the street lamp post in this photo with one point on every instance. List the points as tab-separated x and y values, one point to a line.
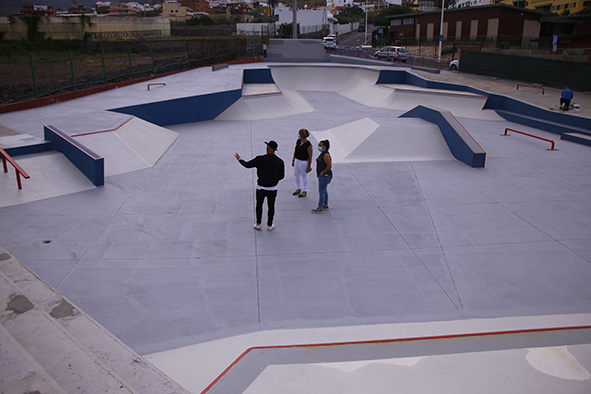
294	30
440	31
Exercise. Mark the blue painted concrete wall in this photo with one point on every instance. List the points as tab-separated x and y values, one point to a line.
183	110
461	144
28	149
88	162
520	112
259	75
510	108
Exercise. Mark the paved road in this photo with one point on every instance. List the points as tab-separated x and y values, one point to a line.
355	38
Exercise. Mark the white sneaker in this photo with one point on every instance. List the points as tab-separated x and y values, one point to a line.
257	226
271	227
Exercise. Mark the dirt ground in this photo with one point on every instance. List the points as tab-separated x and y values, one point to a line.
6	132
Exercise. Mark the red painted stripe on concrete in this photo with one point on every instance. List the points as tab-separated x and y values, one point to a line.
378	341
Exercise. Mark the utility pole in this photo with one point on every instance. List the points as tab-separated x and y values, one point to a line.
294	31
440	31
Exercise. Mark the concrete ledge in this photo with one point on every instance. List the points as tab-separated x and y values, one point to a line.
88	162
427	69
28	149
183	110
518	109
555	126
461	144
582	139
219	67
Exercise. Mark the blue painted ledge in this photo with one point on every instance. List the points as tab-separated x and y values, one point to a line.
461	144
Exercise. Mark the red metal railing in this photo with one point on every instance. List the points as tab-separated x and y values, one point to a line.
19	171
531	86
156	83
531	135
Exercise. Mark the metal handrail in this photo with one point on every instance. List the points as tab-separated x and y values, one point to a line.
531	135
531	86
156	84
17	169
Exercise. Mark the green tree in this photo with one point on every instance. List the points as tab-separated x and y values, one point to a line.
350	14
286	30
202	20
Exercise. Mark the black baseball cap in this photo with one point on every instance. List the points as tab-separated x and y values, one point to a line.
272	144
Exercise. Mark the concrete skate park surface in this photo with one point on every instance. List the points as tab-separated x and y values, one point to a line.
416	243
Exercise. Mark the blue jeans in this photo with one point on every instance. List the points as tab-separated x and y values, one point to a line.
323	182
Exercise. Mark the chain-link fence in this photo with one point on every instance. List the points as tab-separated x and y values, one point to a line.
40	73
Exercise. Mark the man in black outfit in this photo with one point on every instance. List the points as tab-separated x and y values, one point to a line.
270	170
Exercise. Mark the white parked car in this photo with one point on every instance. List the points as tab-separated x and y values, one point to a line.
329	42
393	53
454	65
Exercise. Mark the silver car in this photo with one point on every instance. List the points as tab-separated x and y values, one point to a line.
393	53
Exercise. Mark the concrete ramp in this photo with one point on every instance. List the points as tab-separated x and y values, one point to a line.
461	104
346	138
266	106
360	84
365	141
52	175
135	145
345	79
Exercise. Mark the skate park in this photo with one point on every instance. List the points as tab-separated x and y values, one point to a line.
428	271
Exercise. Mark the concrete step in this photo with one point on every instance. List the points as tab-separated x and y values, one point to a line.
579	138
542	124
19	372
65	346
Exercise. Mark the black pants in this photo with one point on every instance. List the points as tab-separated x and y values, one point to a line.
566	103
270	195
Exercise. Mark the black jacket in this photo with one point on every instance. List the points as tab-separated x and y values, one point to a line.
270	169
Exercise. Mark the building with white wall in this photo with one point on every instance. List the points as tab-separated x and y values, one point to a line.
307	19
469	3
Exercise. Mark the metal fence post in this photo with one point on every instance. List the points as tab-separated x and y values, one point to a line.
152	56
171	58
129	56
34	77
72	68
187	48
104	67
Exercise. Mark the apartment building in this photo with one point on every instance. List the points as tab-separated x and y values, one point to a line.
560	7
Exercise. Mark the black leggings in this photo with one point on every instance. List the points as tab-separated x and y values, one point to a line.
270	195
